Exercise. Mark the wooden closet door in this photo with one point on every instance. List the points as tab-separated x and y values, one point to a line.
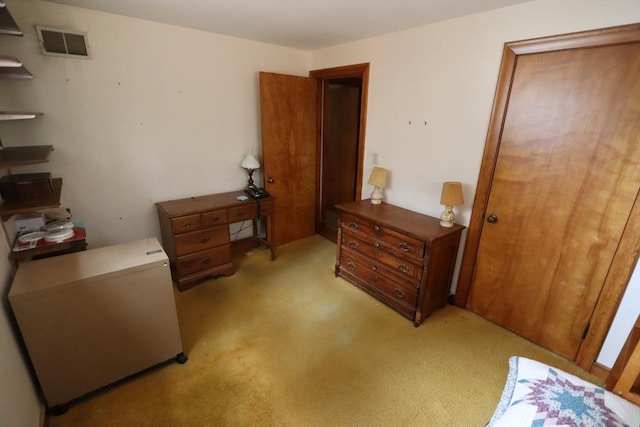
566	176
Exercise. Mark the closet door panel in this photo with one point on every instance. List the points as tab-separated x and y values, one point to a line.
566	177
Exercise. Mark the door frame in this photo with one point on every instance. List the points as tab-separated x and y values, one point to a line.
628	251
348	71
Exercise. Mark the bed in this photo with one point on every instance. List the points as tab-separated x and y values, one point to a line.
537	395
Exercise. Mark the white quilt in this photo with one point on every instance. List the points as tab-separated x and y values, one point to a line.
538	395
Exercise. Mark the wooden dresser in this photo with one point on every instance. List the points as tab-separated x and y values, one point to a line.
403	258
195	233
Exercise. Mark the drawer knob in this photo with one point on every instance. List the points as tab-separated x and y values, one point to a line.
204	240
376	228
353	225
353	244
399	292
187	224
404	246
376	244
206	261
351	266
403	268
374	268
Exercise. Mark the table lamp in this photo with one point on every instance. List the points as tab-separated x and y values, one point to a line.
250	163
451	196
378	179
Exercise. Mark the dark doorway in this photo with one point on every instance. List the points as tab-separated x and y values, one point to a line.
341	120
343	107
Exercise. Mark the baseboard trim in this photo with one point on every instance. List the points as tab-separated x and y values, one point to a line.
44	415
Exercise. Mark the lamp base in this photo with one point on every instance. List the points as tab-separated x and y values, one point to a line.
250	183
447	217
376	196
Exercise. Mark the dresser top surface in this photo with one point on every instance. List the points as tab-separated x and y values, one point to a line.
411	222
192	205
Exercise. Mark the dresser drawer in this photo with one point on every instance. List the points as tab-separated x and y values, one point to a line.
203	260
357	266
400	265
199	240
183	224
351	240
391	291
383	235
377	252
213	218
401	295
242	213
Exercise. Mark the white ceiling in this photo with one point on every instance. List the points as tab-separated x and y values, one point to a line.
300	24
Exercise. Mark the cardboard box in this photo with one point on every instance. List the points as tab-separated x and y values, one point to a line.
29	222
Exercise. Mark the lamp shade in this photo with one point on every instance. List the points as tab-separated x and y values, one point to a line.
250	162
378	177
451	194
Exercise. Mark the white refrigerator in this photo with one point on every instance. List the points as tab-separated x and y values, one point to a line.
91	318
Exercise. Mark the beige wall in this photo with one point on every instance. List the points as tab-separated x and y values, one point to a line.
162	112
445	74
19	402
159	112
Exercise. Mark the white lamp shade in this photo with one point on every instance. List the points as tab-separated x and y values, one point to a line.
250	162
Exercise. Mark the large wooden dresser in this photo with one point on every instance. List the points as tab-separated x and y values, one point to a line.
195	233
403	258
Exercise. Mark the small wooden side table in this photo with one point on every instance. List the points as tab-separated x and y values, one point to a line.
195	233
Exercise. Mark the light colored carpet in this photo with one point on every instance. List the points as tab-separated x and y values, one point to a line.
286	343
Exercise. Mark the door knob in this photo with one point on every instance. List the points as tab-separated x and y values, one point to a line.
492	219
270	180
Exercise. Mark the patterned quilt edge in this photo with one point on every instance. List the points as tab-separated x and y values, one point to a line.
507	392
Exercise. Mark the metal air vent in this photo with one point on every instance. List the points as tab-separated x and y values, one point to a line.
67	43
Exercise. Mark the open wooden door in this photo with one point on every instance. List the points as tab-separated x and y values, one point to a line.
288	107
554	229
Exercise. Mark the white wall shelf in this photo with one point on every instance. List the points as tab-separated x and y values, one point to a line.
7	23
